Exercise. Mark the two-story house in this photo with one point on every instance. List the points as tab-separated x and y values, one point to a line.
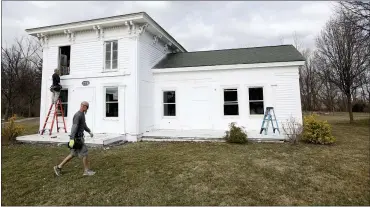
139	79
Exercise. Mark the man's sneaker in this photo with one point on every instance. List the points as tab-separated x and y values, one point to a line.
89	172
57	170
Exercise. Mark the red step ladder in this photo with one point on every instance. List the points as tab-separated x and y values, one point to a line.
57	106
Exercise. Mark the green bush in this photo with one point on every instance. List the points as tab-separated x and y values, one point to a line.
236	134
316	132
11	130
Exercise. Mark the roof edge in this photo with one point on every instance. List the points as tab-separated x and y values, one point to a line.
90	21
228	67
163	30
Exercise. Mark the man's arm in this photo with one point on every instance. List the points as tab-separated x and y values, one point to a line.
75	126
86	128
58	79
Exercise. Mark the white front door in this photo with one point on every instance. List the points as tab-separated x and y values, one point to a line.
86	94
198	110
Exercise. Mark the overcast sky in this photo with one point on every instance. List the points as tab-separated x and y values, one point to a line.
202	25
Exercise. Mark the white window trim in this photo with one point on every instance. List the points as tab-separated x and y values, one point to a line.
111	58
223	100
105	103
263	101
162	104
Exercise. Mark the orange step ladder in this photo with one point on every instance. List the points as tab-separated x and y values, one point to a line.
57	106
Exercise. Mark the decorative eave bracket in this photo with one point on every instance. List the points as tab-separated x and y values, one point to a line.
43	39
155	39
166	47
70	35
131	27
142	28
99	31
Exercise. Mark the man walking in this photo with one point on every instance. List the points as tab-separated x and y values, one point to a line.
77	141
56	87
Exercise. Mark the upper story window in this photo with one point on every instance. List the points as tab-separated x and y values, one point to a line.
111	55
64	59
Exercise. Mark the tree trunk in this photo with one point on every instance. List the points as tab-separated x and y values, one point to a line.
29	110
6	114
349	105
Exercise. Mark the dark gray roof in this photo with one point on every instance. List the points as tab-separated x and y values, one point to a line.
280	53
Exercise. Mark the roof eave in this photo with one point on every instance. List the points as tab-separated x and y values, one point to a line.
228	67
83	24
163	32
107	20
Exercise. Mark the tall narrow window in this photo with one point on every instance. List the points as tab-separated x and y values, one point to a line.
64	59
256	100
64	99
111	102
231	107
111	55
169	103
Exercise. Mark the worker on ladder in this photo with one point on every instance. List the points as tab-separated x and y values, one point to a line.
56	87
56	103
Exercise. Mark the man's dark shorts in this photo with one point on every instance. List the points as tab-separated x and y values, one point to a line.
80	152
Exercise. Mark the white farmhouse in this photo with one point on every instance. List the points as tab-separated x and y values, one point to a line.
140	81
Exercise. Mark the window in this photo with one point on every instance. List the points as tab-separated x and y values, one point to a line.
64	99
111	102
64	59
111	55
231	106
256	100
169	103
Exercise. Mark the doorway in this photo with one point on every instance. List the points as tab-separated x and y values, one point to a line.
86	94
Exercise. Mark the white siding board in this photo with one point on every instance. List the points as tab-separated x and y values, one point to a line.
86	57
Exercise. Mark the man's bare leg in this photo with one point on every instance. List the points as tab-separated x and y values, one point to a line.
67	159
87	171
85	161
58	168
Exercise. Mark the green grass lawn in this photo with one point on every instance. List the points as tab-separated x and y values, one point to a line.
152	173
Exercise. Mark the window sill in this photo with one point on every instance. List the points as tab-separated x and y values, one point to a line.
260	116
111	119
231	116
169	117
109	70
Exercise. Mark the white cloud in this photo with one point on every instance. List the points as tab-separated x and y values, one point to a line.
44	4
195	25
153	4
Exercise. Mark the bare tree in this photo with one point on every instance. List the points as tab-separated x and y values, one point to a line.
328	92
308	78
310	82
345	49
358	12
21	75
11	62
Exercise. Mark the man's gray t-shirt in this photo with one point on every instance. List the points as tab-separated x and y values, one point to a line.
79	125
